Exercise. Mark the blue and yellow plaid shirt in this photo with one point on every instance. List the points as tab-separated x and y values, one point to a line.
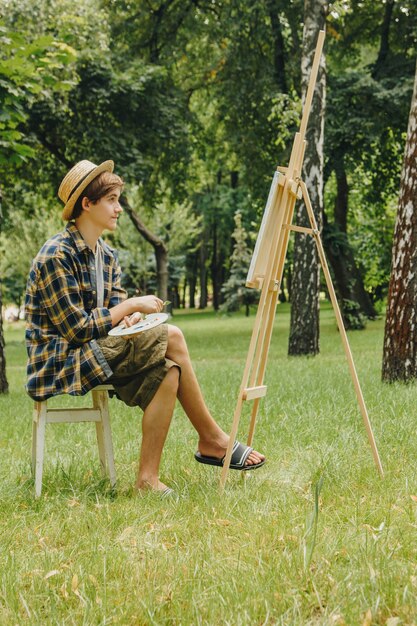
63	321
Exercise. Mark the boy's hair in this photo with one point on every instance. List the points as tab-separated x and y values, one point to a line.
99	187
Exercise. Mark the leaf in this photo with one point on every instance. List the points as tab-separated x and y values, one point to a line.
367	621
53	572
94	580
125	534
74	588
309	539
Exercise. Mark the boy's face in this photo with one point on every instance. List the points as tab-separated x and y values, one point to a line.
105	212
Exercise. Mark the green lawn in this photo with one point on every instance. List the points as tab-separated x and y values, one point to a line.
261	553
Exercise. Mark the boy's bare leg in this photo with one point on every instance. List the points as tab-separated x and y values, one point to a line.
155	425
213	440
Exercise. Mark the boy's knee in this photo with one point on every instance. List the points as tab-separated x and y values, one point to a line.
175	335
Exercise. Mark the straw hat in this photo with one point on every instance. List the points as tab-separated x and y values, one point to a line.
77	180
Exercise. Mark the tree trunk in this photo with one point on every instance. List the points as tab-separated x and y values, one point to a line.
214	267
217	276
279	52
174	296
340	257
305	288
4	386
384	41
161	256
160	250
191	277
184	293
284	286
355	302
400	341
203	273
192	281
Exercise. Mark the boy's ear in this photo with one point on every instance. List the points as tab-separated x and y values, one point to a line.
85	203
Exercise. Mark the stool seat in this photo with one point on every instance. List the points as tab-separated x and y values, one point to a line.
98	413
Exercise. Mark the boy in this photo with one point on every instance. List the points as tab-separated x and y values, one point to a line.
74	298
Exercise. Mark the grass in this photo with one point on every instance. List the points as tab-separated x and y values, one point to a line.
314	537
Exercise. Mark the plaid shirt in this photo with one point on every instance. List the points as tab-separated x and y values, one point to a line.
63	320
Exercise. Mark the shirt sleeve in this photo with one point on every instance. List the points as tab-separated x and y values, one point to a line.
62	299
118	294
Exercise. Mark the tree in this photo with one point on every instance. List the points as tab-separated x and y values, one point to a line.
133	112
199	100
305	287
400	340
235	292
35	222
177	230
4	386
26	69
370	73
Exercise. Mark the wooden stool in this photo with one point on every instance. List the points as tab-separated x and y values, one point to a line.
98	413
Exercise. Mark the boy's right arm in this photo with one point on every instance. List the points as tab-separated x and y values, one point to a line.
140	304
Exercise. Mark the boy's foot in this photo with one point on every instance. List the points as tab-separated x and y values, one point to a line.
146	486
243	457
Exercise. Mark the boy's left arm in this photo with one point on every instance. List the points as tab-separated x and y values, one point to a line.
117	294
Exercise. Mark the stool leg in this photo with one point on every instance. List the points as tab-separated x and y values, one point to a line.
38	444
100	436
104	438
34	435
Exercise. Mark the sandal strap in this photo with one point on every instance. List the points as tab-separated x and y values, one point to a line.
240	453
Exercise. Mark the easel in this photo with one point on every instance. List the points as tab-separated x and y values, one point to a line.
266	271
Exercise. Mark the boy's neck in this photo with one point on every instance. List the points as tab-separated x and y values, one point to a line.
89	232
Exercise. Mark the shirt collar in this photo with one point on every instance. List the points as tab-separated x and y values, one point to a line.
80	243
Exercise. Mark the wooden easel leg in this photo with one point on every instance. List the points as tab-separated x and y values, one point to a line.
262	357
342	330
269	267
261	363
261	334
252	424
233	433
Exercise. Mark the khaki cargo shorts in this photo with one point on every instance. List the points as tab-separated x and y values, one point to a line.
139	364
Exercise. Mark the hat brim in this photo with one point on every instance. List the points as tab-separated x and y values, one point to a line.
106	166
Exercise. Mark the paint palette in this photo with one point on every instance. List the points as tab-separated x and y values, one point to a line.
150	321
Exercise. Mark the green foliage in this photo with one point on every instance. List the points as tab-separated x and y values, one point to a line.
362	122
371	228
353	317
235	292
173	222
197	104
26	228
28	71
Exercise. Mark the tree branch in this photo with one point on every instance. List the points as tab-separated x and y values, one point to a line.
53	149
384	41
155	241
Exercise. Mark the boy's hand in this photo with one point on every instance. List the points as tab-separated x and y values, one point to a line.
129	320
148	304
